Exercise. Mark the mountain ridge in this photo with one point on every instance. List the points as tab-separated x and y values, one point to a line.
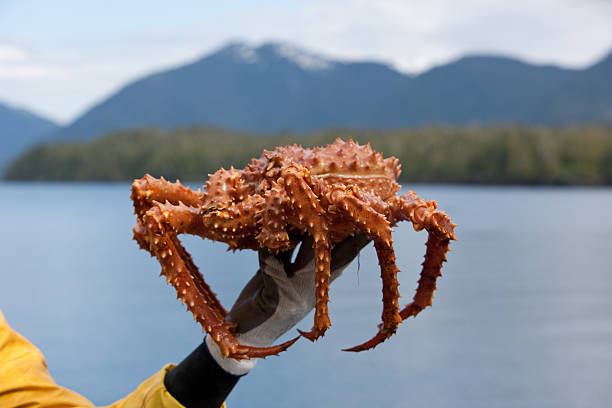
280	87
20	129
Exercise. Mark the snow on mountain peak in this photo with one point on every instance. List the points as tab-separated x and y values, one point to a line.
242	52
305	60
248	54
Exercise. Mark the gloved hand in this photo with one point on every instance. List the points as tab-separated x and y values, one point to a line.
280	295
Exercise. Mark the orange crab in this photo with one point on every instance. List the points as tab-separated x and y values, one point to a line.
327	192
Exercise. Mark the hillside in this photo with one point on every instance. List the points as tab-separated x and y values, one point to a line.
278	87
485	155
19	130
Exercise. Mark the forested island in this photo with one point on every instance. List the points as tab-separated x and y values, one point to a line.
580	155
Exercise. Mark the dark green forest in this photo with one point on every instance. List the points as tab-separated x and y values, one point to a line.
478	154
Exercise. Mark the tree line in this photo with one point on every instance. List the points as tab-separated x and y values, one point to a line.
474	154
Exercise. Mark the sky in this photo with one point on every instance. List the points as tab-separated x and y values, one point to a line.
59	58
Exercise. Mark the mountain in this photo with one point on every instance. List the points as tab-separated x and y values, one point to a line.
481	89
19	130
276	87
586	96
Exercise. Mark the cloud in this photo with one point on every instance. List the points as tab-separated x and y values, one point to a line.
25	71
12	53
19	63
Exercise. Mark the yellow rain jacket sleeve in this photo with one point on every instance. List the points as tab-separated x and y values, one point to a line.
25	381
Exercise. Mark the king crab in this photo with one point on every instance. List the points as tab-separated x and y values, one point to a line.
329	193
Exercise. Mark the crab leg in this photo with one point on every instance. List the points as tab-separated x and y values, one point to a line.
424	214
231	225
191	288
180	273
185	220
434	257
147	190
272	220
377	227
306	205
390	316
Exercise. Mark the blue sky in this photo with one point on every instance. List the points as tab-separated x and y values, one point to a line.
60	57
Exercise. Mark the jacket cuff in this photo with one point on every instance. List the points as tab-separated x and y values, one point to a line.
229	365
199	381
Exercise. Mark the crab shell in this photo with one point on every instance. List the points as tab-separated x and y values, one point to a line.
341	163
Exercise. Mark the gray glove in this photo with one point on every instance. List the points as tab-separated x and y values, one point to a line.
280	295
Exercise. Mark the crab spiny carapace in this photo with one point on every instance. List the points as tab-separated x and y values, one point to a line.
328	193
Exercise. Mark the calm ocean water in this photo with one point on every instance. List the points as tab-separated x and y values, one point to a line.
522	316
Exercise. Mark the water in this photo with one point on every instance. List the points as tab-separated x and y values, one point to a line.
522	316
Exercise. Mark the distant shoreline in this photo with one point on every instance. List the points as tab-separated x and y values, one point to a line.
503	155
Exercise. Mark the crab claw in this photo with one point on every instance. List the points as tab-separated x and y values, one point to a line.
247	352
313	334
373	342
